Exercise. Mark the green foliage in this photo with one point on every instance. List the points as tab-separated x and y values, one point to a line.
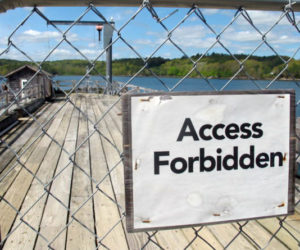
212	66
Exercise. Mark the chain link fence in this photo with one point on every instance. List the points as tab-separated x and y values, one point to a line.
61	171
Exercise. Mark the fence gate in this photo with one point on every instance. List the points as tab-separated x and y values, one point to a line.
61	167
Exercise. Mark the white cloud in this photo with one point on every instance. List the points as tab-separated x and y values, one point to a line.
265	18
148	42
3	41
284	39
92	45
247	36
35	36
241	51
122	15
63	53
242	36
2	50
72	37
12	54
193	19
192	36
90	52
167	54
210	11
189	35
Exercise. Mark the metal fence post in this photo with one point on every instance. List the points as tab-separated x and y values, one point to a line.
109	67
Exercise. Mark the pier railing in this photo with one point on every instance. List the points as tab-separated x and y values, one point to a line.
9	102
95	86
268	32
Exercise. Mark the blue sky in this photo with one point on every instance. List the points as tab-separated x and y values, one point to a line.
145	35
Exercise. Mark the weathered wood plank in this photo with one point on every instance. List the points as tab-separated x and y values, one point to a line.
36	190
78	236
261	236
172	239
106	211
294	221
55	215
10	134
11	175
272	225
199	243
226	232
136	240
17	191
21	134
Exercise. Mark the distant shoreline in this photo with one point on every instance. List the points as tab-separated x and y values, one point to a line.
211	66
209	78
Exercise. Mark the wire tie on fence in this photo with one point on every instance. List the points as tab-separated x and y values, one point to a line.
200	15
247	16
9	43
146	2
194	6
290	17
153	12
238	11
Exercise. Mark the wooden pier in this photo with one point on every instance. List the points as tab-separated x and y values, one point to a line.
64	205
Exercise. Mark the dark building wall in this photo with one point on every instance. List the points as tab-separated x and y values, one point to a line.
40	86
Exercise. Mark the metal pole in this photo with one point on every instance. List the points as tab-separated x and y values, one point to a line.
108	50
109	68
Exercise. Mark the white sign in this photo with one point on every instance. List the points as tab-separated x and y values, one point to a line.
207	158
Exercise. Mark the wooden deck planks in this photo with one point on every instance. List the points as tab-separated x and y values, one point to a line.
286	238
113	123
80	233
11	170
106	210
54	219
18	190
99	214
260	236
19	135
36	190
137	240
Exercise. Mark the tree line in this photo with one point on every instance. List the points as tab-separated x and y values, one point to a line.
214	65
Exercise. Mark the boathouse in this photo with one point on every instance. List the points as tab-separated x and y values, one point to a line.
34	83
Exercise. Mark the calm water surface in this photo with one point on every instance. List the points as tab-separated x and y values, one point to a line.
193	84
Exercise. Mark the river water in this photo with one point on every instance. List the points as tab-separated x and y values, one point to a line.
194	84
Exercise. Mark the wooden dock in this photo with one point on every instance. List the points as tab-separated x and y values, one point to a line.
63	205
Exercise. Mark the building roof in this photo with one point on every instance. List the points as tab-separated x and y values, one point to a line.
34	69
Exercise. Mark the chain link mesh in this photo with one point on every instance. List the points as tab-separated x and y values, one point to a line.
61	167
